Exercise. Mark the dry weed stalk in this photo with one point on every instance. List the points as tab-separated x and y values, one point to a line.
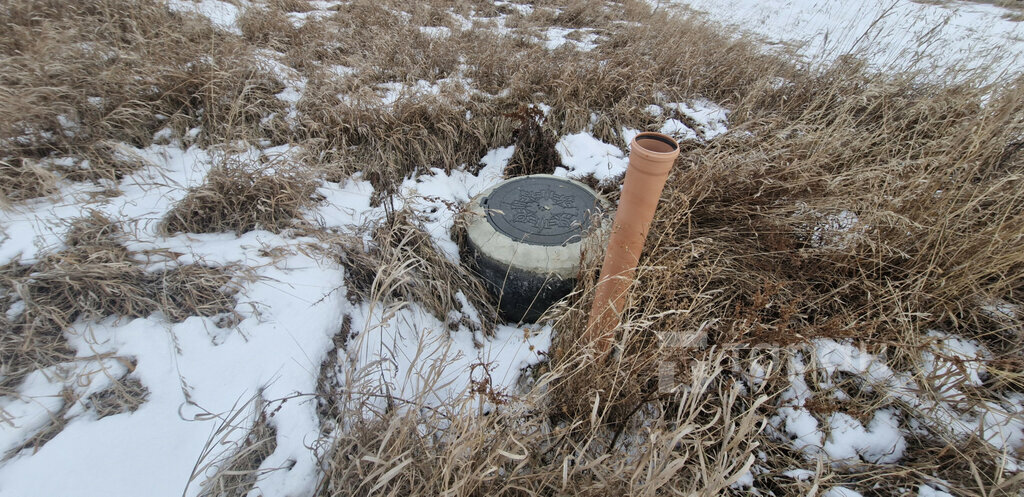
239	469
404	264
696	441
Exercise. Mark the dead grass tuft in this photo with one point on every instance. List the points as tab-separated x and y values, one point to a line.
403	263
264	27
290	5
417	132
696	441
241	197
535	146
22	178
70	284
239	471
124	396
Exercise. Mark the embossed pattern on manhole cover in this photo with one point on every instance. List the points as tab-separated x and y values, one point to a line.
540	211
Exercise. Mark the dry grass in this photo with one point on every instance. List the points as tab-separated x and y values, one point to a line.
403	264
93	277
240	469
75	75
535	151
1015	8
463	93
416	133
518	451
239	196
23	179
125	395
751	247
754	244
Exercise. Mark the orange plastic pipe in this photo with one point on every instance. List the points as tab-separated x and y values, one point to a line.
650	160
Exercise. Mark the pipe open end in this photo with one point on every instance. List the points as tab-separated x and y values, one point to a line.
656	143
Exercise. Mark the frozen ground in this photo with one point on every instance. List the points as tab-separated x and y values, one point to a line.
198	373
891	34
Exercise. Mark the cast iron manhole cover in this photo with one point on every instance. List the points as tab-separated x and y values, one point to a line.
540	211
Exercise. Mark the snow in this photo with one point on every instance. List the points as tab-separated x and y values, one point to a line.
40	224
40	397
927	491
204	381
711	118
521	8
846	442
436	31
834	230
678	130
437	197
890	34
792	422
299	19
951	364
746	480
393	92
223	15
417	358
347	204
849	441
840	492
999	309
295	84
198	374
341	71
755	374
557	37
584	155
799	474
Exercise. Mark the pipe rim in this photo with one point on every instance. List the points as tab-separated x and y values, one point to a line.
661	138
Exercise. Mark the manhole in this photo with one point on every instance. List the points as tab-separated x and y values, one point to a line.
526	236
541	210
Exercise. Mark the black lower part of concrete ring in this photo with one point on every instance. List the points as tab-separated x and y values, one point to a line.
522	295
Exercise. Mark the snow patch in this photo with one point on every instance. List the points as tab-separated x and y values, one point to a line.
223	15
997	421
437	198
584	155
891	34
557	37
436	31
840	492
849	441
712	119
